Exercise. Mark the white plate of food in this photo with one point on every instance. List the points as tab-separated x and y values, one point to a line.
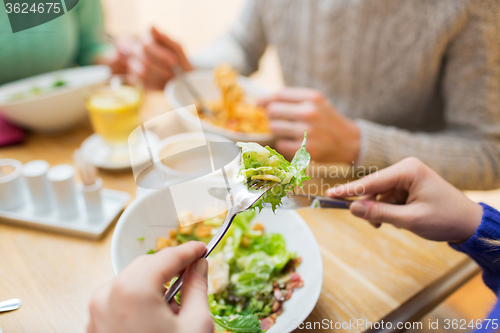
50	102
250	126
147	223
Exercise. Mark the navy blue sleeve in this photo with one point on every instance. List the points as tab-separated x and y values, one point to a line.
487	256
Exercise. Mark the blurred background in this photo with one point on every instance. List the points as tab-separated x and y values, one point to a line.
194	23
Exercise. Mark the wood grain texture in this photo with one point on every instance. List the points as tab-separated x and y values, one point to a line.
371	272
368	272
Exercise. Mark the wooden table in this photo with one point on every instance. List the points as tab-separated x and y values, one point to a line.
369	274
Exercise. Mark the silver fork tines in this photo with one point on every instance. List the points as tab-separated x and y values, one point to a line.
239	199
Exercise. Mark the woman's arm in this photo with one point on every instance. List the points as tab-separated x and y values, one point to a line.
467	154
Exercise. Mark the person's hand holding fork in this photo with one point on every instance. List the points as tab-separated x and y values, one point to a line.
153	60
133	302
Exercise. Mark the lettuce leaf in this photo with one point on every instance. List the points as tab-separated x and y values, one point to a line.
260	161
239	324
255	275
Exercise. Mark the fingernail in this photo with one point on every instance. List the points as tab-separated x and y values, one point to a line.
358	208
201	268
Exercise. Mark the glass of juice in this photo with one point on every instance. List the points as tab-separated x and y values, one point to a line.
114	111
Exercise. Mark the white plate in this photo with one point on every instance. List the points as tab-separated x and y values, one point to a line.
56	110
153	214
203	80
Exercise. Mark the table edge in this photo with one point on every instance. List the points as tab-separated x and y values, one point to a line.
424	301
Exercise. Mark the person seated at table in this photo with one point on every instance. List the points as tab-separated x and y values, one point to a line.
408	195
387	80
75	38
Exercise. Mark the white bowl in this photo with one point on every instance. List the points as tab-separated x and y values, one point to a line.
56	110
153	214
203	80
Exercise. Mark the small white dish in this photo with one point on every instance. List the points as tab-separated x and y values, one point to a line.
178	96
56	110
95	151
153	214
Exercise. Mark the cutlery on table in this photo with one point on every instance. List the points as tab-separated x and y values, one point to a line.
240	198
10	305
294	201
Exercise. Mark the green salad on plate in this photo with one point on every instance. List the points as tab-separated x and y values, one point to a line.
251	273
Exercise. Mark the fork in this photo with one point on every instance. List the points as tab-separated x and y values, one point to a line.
239	199
181	75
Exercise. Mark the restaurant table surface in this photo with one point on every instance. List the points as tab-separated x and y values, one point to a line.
369	274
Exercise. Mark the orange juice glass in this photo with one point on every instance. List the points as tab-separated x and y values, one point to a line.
114	108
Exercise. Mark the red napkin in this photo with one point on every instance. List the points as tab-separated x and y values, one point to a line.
9	134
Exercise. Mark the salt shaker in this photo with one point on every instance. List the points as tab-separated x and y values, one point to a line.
91	187
35	173
62	179
93	200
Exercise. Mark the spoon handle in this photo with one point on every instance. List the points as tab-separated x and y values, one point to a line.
10	305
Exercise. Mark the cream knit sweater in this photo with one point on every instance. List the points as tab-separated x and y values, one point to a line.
421	77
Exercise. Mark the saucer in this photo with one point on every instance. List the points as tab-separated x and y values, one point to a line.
98	153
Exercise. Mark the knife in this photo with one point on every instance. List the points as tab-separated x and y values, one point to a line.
294	201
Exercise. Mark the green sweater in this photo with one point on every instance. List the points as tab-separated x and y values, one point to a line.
75	38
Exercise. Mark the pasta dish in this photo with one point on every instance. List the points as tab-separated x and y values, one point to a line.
232	111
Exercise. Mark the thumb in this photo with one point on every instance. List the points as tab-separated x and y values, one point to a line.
194	302
378	212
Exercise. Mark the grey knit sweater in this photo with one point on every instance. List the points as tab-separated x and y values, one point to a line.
421	77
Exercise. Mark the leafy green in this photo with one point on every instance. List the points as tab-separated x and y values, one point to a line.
258	161
36	90
275	247
240	224
255	274
59	83
151	251
243	324
256	261
185	238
